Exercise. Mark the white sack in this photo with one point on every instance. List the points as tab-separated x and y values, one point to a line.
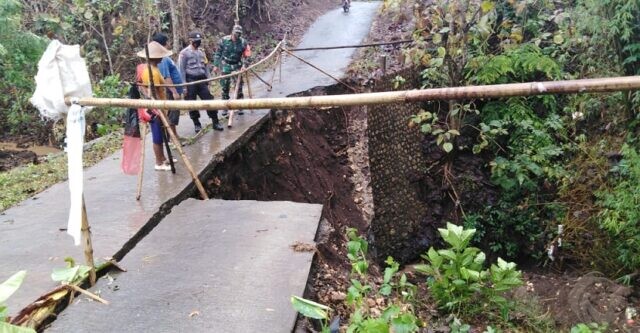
63	73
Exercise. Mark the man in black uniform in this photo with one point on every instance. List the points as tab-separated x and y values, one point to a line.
193	67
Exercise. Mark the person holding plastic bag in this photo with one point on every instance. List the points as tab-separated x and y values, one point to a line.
156	53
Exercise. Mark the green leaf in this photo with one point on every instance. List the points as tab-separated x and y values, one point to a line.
353	246
447	254
7	288
385	290
558	39
391	312
442	52
405	323
309	308
3	313
454	132
447	146
70	274
425	128
375	326
487	6
437	39
8	328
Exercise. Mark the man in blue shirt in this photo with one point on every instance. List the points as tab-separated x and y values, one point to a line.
171	75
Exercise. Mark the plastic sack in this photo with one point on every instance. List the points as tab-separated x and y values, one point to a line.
131	152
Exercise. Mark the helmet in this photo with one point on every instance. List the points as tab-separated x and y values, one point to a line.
237	29
195	36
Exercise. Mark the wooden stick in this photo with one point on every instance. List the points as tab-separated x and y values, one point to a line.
88	246
235	96
320	70
351	46
143	133
87	293
391	97
246	78
269	86
275	68
186	161
276	50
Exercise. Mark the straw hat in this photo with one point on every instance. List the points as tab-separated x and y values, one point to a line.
156	51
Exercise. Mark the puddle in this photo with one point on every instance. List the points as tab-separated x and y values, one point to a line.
39	150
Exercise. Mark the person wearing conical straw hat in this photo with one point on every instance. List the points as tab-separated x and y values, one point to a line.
156	53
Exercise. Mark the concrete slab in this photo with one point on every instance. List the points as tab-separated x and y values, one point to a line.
30	235
210	266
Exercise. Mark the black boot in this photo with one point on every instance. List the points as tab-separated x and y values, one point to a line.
215	123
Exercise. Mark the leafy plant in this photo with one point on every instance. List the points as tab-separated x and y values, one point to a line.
589	328
459	283
7	288
311	309
620	214
72	273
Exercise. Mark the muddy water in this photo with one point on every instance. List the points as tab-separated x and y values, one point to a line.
39	150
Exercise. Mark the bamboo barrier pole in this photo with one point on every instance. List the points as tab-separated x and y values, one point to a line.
88	245
393	97
276	50
269	86
173	136
351	46
246	78
186	161
320	70
143	134
236	91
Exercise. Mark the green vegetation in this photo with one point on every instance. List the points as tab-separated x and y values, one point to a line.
7	289
20	183
532	145
457	280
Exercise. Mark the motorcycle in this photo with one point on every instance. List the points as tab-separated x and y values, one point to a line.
345	5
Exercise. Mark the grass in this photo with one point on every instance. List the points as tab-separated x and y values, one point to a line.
26	181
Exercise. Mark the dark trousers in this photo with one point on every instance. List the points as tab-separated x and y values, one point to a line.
225	84
200	90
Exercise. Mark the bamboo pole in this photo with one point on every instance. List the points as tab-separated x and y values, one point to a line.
246	78
269	86
319	69
174	139
88	246
217	78
186	161
143	133
351	46
465	93
235	96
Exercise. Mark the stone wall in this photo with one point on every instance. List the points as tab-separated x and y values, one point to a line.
397	166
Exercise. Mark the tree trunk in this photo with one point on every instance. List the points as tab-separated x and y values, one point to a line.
175	27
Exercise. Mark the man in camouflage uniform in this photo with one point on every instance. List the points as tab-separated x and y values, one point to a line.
229	57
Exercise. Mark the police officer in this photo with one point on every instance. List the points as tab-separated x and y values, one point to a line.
229	57
193	67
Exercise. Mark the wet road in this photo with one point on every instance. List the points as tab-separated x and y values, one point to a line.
30	235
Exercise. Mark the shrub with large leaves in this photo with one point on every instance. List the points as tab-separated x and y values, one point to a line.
457	280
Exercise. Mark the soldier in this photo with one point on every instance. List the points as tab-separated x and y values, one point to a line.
193	67
229	57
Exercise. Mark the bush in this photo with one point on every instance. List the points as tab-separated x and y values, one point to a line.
620	214
20	51
459	283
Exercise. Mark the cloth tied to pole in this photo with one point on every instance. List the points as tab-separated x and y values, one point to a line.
62	72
